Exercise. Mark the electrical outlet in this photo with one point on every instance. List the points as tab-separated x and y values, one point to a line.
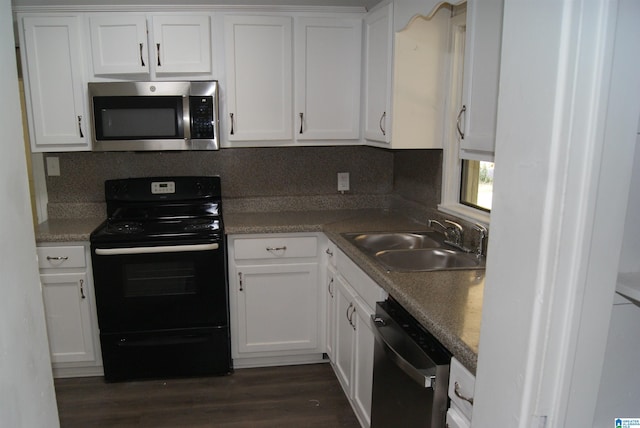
343	182
53	166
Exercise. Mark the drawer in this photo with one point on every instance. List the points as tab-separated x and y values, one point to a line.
465	381
61	257
275	247
367	288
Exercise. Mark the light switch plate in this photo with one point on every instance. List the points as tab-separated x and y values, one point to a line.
53	166
343	182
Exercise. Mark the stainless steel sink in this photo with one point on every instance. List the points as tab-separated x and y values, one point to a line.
428	259
381	241
413	251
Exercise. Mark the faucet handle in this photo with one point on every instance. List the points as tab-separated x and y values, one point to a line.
455	225
481	229
483	236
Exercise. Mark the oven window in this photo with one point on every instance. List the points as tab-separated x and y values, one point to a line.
159	279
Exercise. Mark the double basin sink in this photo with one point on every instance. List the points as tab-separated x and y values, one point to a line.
414	251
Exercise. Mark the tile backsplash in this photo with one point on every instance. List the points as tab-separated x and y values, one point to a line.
260	172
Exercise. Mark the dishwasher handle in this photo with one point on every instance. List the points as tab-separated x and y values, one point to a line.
424	377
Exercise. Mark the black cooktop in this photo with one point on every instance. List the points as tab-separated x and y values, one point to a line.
154	209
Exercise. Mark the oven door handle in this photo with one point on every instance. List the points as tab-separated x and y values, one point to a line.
158	249
424	377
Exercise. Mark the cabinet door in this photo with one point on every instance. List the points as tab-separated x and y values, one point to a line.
119	44
377	74
277	307
258	53
331	311
328	57
68	315
181	44
363	361
344	328
480	81
54	84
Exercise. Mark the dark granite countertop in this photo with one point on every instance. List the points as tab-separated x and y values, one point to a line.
447	303
67	229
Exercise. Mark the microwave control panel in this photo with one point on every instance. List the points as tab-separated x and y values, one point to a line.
201	109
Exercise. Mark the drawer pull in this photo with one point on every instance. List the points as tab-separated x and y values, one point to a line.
283	248
456	390
57	258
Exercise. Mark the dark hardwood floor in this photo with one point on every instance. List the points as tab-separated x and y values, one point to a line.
305	396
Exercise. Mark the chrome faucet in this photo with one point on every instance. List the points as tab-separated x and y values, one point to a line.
480	252
453	234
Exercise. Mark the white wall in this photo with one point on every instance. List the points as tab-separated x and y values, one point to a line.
27	397
567	118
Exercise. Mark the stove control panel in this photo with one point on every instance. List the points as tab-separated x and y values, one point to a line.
163	187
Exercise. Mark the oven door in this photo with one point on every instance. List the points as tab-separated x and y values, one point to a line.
140	288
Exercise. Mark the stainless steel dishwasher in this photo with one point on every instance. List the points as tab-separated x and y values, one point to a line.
410	373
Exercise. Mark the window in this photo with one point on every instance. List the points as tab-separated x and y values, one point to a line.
476	184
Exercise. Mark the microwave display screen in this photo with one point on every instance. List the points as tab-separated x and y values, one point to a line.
126	117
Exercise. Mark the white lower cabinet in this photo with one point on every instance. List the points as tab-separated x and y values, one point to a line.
461	390
276	300
354	298
70	312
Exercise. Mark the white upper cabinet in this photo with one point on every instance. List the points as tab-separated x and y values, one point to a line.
54	82
258	54
327	75
405	95
477	119
175	44
119	44
182	44
378	58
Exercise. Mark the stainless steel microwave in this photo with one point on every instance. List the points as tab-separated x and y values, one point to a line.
139	116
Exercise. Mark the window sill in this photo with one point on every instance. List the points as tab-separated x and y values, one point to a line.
466	213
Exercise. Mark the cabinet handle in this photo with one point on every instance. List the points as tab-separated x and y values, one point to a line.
231	114
384	114
141	57
158	51
329	252
80	126
329	288
58	258
462	110
240	280
283	248
456	390
348	317
301	121
82	289
353	324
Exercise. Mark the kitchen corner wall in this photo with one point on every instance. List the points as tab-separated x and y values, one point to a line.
259	172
